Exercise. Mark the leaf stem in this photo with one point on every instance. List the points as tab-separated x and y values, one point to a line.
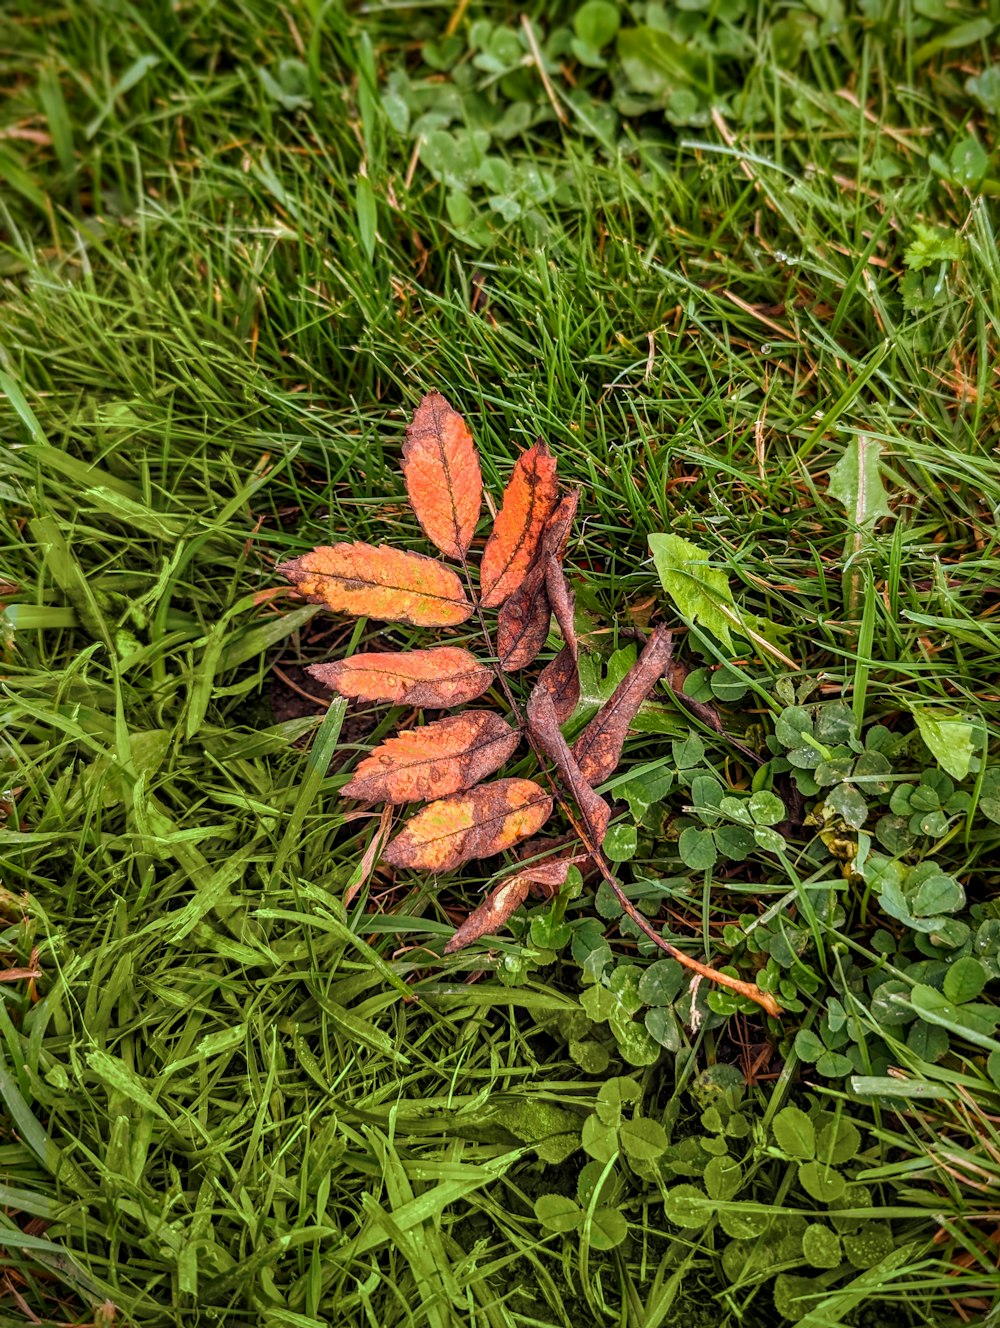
748	989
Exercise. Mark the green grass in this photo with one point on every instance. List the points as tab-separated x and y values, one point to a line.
227	1099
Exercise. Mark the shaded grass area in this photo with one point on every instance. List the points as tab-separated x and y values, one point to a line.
227	1098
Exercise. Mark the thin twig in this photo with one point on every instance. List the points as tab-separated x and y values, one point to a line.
748	989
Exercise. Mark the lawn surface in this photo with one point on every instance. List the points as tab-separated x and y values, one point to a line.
737	264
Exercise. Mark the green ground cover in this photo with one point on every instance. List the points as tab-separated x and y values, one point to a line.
737	263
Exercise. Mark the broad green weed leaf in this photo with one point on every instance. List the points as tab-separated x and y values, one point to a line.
723	1178
831	1065
766	808
927	1041
869	1245
661	983
688	753
706	797
794	1133
849	805
557	1212
697	848
985	87
599	1141
699	591
592	1057
715	1146
664	1027
624	988
656	63
643	1139
856	482
687	1206
635	1043
839	1141
614	1095
964	980
596	23
593	1175
795	1296
821	1246
621	842
767	839
937	893
740	1222
598	1003
736	841
606	1229
808	1047
821	1182
951	738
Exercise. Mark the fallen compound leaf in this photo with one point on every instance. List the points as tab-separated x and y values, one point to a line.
380	582
545	730
528	502
497	908
439	677
523	621
561	679
599	747
444	757
477	824
443	479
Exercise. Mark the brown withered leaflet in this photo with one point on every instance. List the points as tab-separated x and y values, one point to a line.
599	747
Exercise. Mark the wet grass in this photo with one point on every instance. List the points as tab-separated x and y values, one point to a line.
228	1098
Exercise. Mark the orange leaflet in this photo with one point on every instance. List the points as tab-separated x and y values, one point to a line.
523	621
380	582
443	479
599	747
444	757
477	824
528	502
439	677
